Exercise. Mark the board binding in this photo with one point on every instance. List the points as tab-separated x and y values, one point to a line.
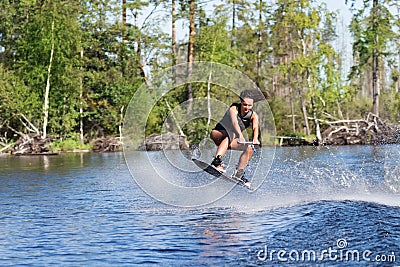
213	171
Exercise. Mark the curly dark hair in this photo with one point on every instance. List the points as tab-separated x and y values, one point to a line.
255	94
246	94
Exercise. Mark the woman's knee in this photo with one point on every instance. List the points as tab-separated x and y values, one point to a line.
249	151
216	136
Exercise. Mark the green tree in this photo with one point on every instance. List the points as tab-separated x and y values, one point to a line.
17	107
302	54
44	53
115	56
373	33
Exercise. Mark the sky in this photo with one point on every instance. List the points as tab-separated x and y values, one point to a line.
342	44
337	5
344	37
333	5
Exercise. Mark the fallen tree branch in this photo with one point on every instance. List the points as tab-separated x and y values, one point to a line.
344	121
25	136
34	129
338	130
107	144
5	147
372	130
337	121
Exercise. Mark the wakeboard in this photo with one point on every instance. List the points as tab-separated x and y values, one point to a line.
213	171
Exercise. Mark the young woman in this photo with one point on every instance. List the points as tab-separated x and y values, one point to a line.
228	132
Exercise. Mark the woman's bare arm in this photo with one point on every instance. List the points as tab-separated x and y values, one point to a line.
233	114
255	123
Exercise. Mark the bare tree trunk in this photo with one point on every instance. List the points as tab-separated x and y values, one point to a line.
143	74
139	54
64	112
123	18
173	34
121	121
304	89
181	133
304	110
357	80
173	39
375	64
81	105
397	84
123	12
292	111
340	113
233	23
190	54
398	68
316	122
275	85
81	99
259	53
376	86
208	99
47	92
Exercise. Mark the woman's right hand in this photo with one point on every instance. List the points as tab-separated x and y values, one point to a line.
241	139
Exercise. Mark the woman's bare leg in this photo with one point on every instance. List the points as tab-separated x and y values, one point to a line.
245	156
221	140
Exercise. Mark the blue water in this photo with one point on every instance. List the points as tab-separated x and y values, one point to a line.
318	206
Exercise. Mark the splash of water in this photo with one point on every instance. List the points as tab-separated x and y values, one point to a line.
298	175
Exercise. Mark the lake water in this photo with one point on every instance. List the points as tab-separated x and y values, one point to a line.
317	206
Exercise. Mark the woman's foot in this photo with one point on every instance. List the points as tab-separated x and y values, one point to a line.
239	175
218	165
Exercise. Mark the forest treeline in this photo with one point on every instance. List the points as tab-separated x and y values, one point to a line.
68	68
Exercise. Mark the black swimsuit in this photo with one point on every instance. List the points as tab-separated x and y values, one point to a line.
226	123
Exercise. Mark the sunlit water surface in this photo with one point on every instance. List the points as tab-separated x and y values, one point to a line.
317	206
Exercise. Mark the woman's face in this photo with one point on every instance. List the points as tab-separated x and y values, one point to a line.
246	104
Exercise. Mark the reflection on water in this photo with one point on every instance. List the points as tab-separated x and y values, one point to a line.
86	209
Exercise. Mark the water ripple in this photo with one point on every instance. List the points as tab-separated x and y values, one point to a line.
87	210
